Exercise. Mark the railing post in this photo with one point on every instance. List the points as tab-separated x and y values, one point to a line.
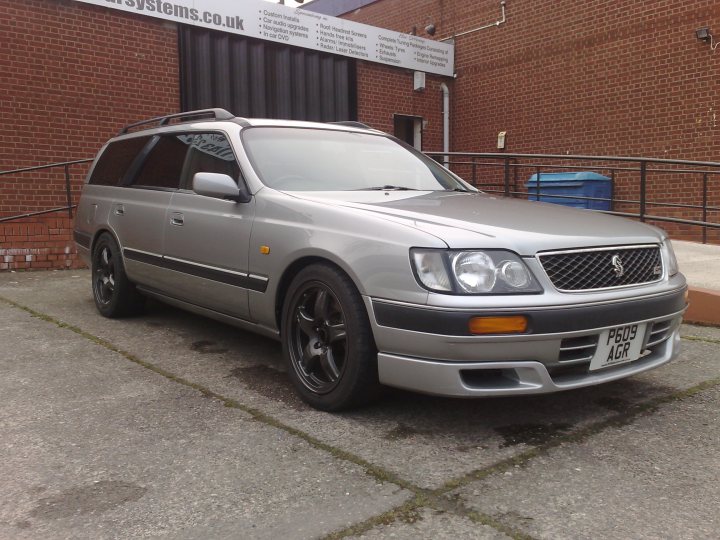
643	180
704	208
537	183
474	172
67	190
507	176
612	190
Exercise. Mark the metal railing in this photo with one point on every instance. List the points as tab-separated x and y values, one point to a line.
501	173
68	194
508	169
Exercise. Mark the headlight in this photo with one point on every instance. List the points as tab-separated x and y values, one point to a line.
473	272
430	269
670	259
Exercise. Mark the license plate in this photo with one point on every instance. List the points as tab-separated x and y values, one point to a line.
618	346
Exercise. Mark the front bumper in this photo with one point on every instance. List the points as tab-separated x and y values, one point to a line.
430	350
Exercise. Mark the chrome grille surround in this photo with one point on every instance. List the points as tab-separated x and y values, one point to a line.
596	269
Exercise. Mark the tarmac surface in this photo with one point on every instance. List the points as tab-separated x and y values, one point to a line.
172	425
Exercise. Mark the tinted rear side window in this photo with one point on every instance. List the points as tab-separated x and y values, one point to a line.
115	161
163	167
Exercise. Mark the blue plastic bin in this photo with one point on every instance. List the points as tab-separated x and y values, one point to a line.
582	184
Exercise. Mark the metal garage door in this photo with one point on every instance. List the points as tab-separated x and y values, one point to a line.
255	78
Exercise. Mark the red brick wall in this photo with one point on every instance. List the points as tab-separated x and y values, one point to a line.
42	242
72	75
384	91
612	77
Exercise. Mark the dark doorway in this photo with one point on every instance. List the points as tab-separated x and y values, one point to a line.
256	78
408	129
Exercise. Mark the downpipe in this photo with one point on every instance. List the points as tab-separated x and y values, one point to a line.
446	123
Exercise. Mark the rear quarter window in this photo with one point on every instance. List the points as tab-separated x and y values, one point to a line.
163	167
116	160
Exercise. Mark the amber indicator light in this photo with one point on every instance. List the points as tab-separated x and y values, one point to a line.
511	324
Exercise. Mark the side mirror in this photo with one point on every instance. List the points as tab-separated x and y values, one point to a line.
220	186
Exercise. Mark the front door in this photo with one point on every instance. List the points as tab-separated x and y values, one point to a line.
207	239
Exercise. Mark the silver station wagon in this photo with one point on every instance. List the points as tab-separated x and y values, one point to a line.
370	262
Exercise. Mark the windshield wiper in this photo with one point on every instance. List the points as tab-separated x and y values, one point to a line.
387	187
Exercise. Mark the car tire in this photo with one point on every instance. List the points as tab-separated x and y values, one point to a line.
327	340
115	296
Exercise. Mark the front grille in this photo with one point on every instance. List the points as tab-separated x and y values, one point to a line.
604	268
659	332
578	350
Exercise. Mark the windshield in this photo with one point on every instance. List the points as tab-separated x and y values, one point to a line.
300	159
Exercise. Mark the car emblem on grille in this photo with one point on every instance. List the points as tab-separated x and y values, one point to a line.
617	266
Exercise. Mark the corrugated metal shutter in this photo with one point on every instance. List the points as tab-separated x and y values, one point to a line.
261	79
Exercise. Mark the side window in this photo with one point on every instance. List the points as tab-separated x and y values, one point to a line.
115	161
208	152
163	166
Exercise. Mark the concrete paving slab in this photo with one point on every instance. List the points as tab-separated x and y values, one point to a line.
658	477
95	446
427	523
424	440
700	263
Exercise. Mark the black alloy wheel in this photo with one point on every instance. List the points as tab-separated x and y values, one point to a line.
318	338
104	275
114	294
327	340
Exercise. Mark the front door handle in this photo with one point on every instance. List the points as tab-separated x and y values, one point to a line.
119	210
177	219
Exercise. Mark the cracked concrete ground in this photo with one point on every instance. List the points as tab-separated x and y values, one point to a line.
172	425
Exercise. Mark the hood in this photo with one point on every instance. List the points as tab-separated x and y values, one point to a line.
479	220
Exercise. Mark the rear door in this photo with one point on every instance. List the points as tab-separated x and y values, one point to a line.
138	214
207	239
103	190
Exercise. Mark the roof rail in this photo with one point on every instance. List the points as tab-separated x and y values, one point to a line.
217	114
351	123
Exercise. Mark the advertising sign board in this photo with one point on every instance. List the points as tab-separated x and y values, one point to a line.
300	28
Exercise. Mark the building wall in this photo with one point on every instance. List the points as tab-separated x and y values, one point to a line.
608	77
73	75
384	91
611	77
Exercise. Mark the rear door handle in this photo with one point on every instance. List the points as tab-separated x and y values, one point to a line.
119	210
177	219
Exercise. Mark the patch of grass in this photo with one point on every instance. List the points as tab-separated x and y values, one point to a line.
531	434
701	339
407	512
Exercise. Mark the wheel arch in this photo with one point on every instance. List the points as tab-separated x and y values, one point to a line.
292	270
99	233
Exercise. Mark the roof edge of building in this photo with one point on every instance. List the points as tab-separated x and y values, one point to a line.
335	8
